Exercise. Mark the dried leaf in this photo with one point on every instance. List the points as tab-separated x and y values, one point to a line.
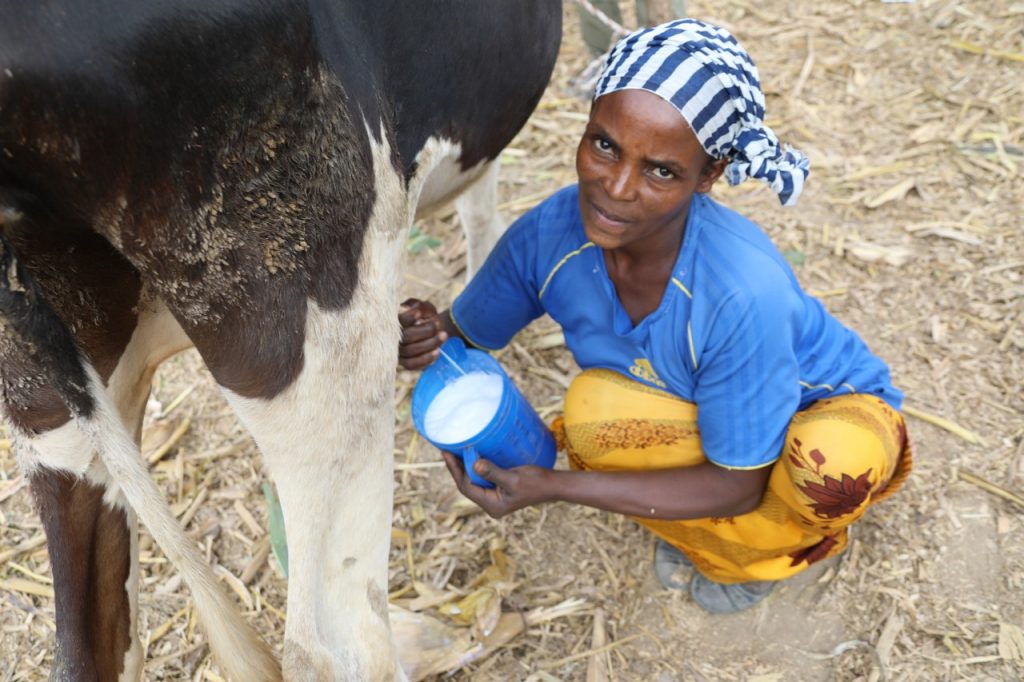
974	48
597	667
429	597
156	434
11	488
871	253
501	570
894	193
888	637
546	341
477	608
950	233
427	646
1011	642
236	585
26	587
943	423
161	438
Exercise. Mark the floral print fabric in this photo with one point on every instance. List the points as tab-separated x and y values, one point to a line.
842	455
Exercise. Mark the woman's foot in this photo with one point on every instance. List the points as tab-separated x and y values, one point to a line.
671	566
718	598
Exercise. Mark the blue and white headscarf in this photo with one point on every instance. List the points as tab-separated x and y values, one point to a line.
707	75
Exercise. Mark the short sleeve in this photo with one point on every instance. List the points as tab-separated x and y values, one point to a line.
502	298
748	381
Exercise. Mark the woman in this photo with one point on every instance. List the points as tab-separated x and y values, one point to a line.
719	405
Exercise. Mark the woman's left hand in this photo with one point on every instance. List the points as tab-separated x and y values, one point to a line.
513	488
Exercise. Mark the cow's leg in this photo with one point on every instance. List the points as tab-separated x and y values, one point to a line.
35	337
326	436
91	533
89	539
327	443
90	545
478	211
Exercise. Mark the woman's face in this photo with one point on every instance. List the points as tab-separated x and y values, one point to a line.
639	165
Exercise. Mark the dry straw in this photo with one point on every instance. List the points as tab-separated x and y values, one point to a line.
910	231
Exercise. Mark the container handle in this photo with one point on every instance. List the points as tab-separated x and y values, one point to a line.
455	348
469	459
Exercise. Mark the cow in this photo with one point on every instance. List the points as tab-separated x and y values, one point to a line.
239	176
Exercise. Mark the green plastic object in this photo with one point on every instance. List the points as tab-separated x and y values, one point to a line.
278	539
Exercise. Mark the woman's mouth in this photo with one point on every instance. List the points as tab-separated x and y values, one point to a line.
608	217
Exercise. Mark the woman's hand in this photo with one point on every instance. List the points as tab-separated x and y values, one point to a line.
423	332
513	488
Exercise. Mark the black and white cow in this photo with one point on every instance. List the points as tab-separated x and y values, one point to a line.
237	175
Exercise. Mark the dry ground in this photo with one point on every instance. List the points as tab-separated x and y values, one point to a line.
911	232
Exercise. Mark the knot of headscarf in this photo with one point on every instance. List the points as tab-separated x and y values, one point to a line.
710	79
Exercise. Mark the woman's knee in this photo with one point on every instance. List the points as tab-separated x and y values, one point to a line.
831	469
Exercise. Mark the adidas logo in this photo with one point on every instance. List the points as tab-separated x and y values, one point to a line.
642	369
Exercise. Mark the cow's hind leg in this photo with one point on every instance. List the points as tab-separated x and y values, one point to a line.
477	207
33	331
90	545
90	534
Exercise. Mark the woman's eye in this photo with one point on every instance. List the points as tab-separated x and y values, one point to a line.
603	144
663	173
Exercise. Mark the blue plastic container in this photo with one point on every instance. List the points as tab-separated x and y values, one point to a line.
515	436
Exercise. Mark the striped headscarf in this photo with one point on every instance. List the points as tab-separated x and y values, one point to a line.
707	75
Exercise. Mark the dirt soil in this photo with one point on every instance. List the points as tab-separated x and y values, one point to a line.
910	231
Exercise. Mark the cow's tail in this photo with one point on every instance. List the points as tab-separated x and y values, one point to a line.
28	325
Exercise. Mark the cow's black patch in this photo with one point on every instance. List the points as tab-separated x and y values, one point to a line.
224	146
467	70
30	329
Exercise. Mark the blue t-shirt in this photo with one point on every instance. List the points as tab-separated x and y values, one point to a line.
734	332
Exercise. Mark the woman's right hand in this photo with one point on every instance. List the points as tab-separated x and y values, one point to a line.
423	332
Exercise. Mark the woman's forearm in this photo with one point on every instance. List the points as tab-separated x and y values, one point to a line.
700	491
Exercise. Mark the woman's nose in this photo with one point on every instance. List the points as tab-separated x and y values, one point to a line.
619	184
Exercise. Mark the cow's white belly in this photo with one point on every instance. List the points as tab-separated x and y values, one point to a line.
440	178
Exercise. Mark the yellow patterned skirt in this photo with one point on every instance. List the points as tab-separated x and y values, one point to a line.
841	455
